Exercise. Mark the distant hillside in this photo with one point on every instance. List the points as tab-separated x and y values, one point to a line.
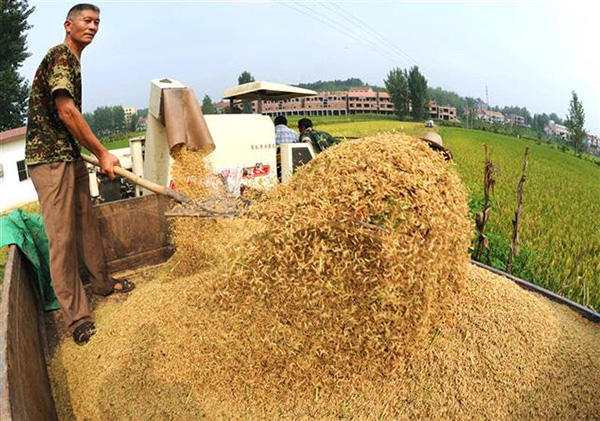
337	85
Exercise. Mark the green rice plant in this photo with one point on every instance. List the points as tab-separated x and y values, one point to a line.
560	229
367	128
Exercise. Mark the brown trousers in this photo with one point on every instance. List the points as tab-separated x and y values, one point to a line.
73	234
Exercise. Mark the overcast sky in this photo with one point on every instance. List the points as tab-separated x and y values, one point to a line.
529	54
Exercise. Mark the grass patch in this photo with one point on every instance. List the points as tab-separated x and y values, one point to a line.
116	141
366	128
327	120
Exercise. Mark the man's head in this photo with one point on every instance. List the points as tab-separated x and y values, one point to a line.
280	119
304	123
83	21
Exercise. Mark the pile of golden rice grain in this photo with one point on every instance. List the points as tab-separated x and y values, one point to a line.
346	294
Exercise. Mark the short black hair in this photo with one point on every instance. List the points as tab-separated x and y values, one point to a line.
304	123
280	119
78	8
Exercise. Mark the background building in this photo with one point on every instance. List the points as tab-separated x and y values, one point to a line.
15	184
555	129
516	119
360	100
440	112
491	116
593	144
129	112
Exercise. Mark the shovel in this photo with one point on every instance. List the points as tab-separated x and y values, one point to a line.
190	207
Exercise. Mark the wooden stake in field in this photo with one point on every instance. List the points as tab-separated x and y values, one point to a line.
481	219
514	242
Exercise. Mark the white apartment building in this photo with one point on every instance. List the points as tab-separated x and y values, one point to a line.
554	129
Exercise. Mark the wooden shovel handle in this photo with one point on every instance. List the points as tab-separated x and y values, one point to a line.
137	179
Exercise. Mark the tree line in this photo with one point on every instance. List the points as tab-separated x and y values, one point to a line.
14	89
107	120
337	85
408	91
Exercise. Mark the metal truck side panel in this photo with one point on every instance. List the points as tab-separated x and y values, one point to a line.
25	392
134	234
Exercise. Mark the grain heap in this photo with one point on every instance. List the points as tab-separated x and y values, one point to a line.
346	294
365	250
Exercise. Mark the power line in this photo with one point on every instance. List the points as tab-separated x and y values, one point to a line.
353	19
353	33
314	14
360	31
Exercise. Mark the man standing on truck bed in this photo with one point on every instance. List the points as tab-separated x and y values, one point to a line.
55	130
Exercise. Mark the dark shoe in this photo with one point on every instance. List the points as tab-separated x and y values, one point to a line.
126	286
84	332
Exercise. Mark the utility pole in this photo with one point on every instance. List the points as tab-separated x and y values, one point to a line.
487	98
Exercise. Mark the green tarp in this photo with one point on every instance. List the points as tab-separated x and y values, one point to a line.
27	232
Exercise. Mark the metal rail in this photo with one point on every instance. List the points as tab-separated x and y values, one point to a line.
583	311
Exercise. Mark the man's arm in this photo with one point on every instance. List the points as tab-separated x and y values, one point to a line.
304	137
78	127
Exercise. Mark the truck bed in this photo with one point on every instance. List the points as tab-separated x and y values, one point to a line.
135	235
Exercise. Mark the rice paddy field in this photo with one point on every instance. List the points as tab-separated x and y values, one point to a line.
560	228
560	225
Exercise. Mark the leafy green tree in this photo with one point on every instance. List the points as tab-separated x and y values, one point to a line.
207	106
89	118
334	85
417	87
556	118
246	77
472	102
575	123
14	90
118	118
107	120
540	121
101	121
397	86
132	122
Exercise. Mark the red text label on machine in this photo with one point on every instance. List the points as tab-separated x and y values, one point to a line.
259	170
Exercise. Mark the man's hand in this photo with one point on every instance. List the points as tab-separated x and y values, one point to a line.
107	163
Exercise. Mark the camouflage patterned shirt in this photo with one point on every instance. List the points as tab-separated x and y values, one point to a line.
48	139
319	140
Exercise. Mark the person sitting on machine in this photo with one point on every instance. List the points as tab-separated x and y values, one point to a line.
283	134
319	140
